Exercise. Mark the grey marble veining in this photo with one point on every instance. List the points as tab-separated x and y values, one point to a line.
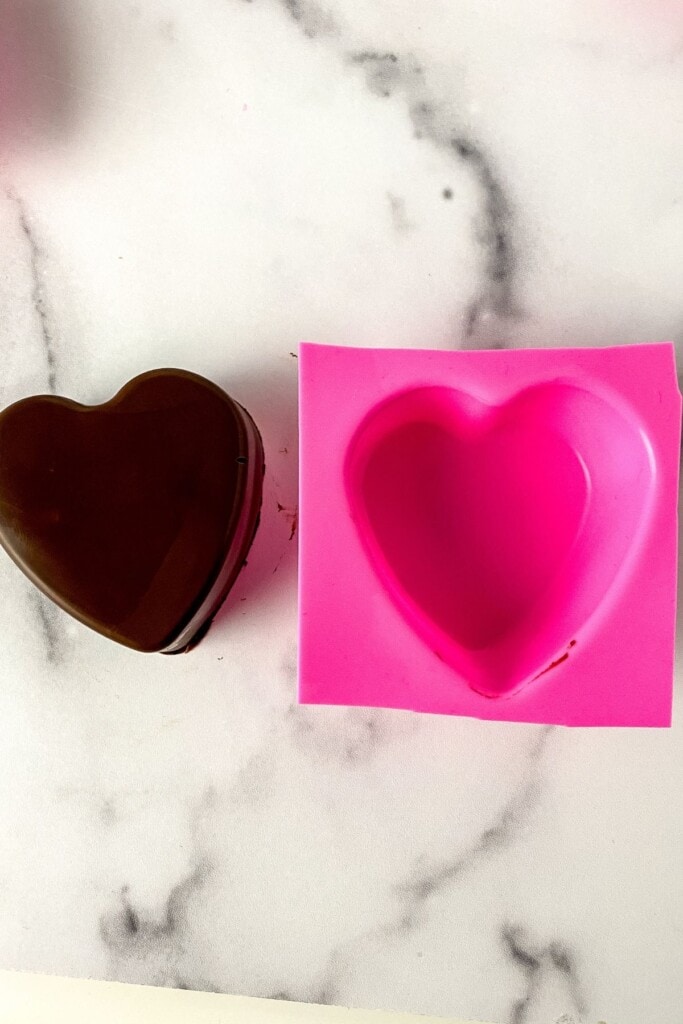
206	186
36	258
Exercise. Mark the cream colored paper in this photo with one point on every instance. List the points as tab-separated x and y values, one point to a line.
39	999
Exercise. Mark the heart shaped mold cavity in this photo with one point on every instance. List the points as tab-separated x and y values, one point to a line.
499	531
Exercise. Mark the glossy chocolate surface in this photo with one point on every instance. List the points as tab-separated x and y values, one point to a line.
136	515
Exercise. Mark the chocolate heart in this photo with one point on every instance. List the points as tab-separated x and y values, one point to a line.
135	516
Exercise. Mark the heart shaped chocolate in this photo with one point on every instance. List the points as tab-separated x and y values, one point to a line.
499	531
134	516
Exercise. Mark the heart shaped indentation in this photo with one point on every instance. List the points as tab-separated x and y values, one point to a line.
498	531
135	516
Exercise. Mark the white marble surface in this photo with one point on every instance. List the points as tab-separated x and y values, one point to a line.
204	185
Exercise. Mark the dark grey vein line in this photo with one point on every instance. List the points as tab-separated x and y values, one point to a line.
373	56
196	985
294	9
36	259
181	894
127	926
533	962
529	964
159	943
494	838
497	836
312	19
364	745
48	619
496	237
495	234
415	893
386	74
564	961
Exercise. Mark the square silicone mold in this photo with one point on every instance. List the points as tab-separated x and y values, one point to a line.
491	534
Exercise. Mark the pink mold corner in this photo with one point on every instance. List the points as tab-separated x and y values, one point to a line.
490	534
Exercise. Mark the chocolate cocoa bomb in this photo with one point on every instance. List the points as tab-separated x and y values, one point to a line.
135	516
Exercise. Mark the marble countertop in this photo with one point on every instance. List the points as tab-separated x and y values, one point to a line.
205	185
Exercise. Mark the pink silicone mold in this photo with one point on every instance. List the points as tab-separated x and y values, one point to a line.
493	527
481	532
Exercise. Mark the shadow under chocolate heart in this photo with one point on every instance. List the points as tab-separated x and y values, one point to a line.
499	531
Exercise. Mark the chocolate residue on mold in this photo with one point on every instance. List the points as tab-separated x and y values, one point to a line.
293	516
553	664
558	661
